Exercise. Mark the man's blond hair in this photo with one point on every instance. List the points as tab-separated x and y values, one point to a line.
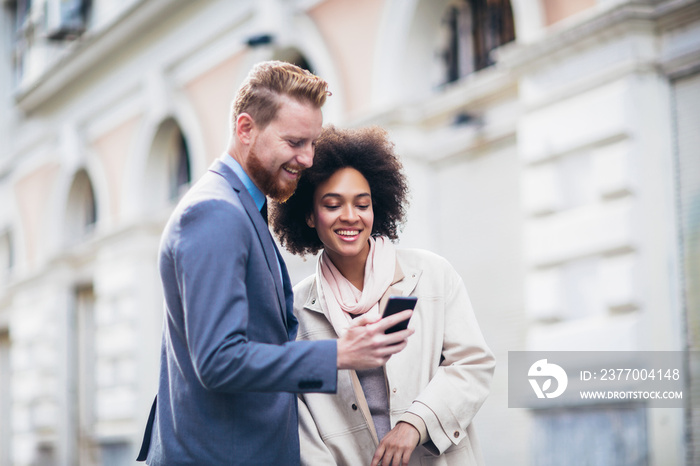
259	95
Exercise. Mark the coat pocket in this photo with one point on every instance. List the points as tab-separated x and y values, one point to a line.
462	455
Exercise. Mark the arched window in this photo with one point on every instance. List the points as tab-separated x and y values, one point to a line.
21	28
293	56
81	215
181	173
169	168
7	258
472	29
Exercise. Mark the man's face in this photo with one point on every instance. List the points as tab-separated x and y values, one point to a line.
284	148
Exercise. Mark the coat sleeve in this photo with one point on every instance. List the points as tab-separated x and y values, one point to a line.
461	384
313	450
211	262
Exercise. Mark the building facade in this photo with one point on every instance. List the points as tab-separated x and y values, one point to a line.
551	148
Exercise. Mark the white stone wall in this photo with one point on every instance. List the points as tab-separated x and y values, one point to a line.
600	257
555	202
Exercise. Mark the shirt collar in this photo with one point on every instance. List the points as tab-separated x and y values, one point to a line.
255	193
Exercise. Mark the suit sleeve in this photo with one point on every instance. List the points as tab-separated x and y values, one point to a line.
211	255
454	395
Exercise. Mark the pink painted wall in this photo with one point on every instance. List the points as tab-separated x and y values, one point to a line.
557	10
350	29
32	193
113	148
210	95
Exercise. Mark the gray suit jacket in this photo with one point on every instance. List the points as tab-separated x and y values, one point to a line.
229	363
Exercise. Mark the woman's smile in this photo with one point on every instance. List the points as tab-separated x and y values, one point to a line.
348	235
343	216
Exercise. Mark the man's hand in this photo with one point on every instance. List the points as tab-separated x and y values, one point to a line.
396	447
365	346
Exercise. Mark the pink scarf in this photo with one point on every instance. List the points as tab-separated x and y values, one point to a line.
340	300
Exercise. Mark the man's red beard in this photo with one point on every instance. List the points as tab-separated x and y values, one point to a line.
271	184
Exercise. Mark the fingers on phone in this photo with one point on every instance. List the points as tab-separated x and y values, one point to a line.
396	346
398	337
363	320
390	321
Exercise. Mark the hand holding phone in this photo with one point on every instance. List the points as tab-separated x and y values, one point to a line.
395	305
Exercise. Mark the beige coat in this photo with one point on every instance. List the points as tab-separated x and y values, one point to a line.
443	375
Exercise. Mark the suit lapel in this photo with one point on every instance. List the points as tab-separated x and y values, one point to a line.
268	245
290	319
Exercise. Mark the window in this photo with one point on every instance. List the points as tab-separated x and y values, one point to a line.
169	167
46	453
686	101
65	19
181	173
82	377
5	400
82	209
7	258
22	9
473	28
19	36
295	57
116	453
614	435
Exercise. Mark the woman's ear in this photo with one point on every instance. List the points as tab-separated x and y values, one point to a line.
310	220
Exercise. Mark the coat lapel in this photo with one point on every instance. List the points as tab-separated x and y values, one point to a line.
268	245
403	284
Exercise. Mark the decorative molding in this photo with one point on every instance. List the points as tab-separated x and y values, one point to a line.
562	37
83	254
602	140
476	89
682	65
93	48
677	13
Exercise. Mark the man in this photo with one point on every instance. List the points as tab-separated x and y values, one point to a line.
229	366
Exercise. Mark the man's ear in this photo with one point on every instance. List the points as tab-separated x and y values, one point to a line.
245	128
310	220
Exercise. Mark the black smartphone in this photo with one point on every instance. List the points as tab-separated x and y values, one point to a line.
395	305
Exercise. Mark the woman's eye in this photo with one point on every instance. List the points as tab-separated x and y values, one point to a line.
363	207
331	207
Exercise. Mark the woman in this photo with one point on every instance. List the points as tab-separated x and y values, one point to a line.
418	408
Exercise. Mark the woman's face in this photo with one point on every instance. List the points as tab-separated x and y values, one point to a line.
342	214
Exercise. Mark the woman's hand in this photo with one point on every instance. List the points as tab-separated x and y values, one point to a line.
396	447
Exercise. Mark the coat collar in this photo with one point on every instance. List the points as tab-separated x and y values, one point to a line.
403	284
